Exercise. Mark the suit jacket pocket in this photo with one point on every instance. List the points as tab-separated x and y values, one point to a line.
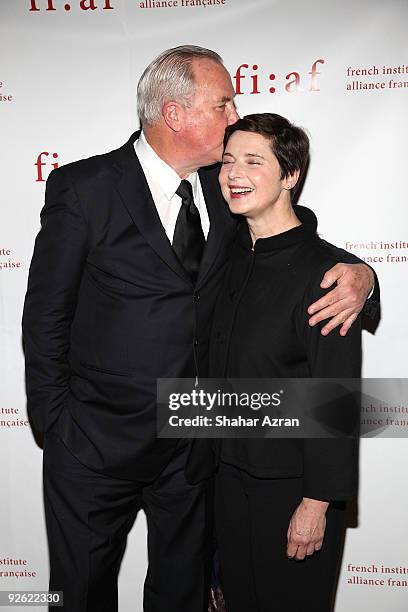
93	368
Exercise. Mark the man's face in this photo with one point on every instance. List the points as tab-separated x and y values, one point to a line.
212	110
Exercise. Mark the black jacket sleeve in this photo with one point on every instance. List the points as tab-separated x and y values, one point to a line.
331	464
55	274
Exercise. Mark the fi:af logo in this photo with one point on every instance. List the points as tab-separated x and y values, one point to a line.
83	5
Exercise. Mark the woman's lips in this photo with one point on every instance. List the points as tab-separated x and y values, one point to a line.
237	192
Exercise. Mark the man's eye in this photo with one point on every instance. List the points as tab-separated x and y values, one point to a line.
221	107
226	161
254	163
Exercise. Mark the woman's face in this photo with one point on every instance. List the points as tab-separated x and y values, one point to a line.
250	175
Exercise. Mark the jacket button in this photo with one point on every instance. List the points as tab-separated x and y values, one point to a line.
195	342
196	296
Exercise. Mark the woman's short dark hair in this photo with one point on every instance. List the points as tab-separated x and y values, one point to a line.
289	143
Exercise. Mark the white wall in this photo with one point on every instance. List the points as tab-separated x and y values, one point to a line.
71	75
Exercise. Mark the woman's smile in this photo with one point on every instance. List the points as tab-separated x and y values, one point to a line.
237	192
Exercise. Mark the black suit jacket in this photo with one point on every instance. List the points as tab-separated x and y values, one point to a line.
109	309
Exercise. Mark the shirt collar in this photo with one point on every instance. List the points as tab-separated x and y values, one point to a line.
164	175
297	234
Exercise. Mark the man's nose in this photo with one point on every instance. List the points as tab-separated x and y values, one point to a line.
233	115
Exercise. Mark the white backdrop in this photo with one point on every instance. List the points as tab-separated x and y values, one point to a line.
68	73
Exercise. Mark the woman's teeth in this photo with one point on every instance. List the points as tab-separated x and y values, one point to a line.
241	189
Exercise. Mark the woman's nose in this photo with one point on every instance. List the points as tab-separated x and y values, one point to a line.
235	170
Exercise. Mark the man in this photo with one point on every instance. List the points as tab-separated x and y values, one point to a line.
122	285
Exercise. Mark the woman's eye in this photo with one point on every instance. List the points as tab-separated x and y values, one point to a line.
226	161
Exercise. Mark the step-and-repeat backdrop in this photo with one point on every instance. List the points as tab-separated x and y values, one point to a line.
68	73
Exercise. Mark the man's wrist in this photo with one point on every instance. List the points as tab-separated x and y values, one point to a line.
317	504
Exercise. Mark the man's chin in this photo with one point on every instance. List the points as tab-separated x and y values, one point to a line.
216	155
213	162
216	158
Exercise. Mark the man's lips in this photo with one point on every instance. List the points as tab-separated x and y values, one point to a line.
236	191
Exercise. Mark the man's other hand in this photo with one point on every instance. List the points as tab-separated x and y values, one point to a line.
343	303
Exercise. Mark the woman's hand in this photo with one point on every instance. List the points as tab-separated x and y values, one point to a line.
306	528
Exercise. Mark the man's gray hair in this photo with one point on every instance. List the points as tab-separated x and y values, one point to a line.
169	77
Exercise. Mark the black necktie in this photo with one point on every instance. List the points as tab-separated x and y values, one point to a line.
188	239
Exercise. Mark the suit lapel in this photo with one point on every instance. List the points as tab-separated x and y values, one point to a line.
135	194
222	225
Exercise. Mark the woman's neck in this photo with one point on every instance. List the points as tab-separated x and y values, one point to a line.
272	222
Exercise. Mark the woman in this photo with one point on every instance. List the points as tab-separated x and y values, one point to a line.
280	504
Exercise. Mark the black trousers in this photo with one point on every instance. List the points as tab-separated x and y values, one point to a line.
252	517
89	515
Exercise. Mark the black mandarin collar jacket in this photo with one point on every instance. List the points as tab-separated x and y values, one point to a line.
261	330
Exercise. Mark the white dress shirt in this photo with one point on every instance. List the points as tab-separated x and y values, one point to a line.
163	183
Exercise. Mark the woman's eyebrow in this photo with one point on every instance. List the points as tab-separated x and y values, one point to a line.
254	155
246	155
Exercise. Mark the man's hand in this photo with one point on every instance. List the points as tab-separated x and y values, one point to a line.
344	302
306	528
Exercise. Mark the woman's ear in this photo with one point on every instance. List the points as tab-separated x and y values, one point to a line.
173	115
291	180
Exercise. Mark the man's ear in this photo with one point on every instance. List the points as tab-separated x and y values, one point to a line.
173	115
